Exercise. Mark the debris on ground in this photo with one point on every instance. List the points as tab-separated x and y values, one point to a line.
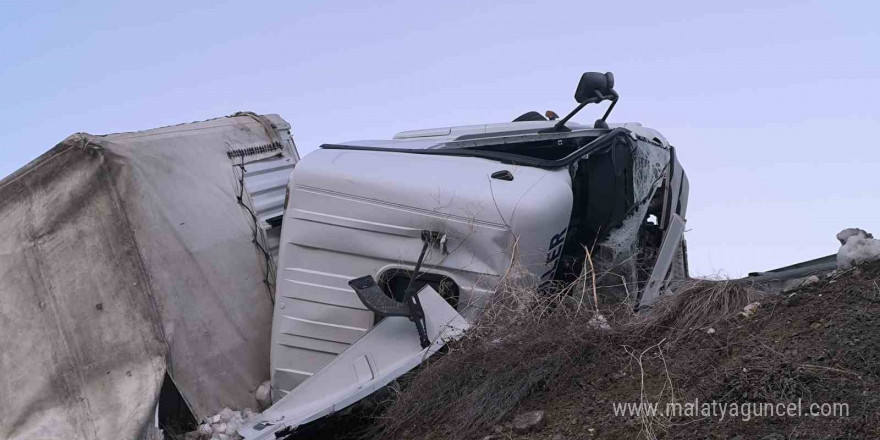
799	283
528	421
857	246
599	322
222	426
750	309
264	395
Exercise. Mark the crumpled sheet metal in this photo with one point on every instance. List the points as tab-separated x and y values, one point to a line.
121	256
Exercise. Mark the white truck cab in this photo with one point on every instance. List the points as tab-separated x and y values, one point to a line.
515	199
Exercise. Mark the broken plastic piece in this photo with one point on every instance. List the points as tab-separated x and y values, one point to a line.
376	300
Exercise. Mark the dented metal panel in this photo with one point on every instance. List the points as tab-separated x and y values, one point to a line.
265	182
389	350
356	213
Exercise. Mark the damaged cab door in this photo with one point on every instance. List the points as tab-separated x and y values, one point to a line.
357	213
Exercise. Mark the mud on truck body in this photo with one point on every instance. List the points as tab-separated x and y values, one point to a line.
458	206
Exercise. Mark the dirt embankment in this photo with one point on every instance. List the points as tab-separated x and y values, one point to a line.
819	344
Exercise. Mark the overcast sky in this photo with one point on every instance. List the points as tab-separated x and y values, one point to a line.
773	106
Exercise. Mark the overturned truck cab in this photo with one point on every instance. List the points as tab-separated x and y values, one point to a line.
444	215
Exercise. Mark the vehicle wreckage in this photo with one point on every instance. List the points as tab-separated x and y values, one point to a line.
375	252
424	226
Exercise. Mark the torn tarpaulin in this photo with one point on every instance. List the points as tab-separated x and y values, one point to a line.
121	255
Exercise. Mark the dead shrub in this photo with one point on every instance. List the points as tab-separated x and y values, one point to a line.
528	337
524	338
696	305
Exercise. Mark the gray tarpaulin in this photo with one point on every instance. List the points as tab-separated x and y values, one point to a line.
126	254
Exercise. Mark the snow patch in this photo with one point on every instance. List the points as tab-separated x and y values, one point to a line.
858	246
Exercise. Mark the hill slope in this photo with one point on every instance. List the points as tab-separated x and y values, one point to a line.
819	344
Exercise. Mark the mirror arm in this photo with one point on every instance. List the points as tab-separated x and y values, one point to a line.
560	126
610	107
601	122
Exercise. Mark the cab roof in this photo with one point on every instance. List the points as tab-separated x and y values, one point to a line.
469	136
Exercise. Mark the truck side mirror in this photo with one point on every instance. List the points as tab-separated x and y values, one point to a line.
595	87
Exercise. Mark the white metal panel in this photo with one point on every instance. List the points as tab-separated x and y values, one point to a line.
389	350
355	213
265	184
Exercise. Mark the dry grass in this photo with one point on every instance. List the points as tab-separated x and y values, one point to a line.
697	305
517	346
528	337
651	422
